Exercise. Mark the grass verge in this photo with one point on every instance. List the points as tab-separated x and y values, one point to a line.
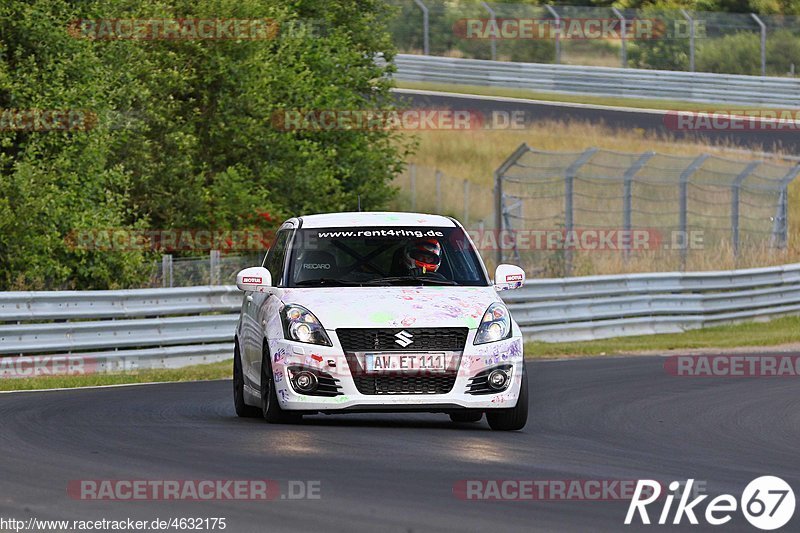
618	101
775	332
189	373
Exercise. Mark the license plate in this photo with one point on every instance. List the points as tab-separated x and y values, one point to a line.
405	362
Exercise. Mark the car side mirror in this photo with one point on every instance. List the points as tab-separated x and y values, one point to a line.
507	277
254	279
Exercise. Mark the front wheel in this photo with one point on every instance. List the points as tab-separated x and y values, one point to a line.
242	409
270	407
515	418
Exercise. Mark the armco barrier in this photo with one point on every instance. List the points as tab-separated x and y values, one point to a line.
167	328
127	329
597	307
603	81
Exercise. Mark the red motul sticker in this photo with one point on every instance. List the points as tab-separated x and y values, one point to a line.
256	281
514	277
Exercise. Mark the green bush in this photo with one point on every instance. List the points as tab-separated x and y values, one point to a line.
185	138
667	51
738	53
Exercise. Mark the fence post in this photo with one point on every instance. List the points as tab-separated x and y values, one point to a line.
492	42
627	199
412	176
780	228
166	270
213	267
439	192
569	189
763	43
426	42
557	18
498	194
735	188
684	204
690	20
623	32
466	202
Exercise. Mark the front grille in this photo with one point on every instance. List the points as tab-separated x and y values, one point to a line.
384	340
400	384
479	383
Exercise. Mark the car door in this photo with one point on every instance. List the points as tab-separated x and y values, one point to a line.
255	302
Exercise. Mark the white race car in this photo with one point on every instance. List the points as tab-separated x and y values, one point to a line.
365	312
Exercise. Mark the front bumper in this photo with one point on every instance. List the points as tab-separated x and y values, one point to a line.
474	360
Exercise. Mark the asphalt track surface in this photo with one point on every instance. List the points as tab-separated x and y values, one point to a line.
607	418
648	120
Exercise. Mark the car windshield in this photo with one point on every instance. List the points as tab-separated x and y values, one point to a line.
366	256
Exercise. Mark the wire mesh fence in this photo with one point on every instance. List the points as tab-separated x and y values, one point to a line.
214	269
556	209
668	39
429	190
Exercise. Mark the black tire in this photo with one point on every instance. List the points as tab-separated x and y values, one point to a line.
242	409
515	418
270	408
463	417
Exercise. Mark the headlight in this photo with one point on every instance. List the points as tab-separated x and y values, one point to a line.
495	325
300	324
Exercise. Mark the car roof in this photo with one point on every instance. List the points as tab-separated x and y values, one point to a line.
375	218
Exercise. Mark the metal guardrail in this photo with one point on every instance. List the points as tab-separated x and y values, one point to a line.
112	330
603	81
597	307
167	328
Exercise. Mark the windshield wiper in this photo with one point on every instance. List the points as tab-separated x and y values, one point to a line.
326	281
413	279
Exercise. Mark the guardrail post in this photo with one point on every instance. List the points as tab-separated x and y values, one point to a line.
735	188
426	42
569	189
521	150
213	267
412	177
763	43
557	18
438	191
492	42
627	199
780	226
690	20
466	202
684	204
166	270
623	50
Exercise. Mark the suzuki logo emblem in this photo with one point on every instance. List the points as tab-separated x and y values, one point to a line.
404	338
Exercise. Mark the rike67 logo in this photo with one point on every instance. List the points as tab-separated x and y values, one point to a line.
767	503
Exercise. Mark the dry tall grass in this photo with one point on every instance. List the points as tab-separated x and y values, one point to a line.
474	155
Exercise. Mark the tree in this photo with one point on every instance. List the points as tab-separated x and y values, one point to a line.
184	136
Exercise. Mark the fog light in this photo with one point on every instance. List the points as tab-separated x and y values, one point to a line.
498	379
305	381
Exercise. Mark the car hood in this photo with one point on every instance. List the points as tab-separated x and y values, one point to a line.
395	307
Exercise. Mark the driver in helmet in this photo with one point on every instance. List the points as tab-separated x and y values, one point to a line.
423	255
